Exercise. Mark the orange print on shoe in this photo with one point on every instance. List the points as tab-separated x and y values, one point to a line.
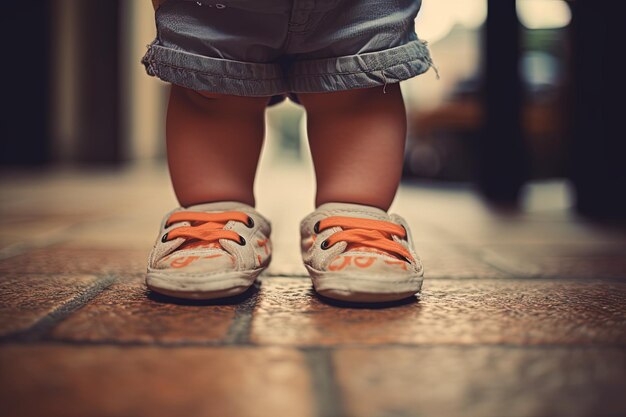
182	262
402	264
364	261
345	261
263	244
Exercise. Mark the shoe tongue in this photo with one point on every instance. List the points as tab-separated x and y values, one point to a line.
219	206
355	210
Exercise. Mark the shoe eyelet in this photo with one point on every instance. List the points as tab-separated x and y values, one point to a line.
164	238
242	241
316	228
324	245
250	223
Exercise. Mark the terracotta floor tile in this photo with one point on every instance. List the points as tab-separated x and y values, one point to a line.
26	298
73	260
482	381
128	312
447	261
575	260
109	381
517	312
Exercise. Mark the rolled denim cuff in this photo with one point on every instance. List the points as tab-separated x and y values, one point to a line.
216	75
225	76
361	71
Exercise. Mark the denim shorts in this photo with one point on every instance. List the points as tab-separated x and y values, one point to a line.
284	47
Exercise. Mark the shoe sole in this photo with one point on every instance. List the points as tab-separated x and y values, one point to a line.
346	287
202	288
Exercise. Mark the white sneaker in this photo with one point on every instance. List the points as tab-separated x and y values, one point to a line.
360	253
209	251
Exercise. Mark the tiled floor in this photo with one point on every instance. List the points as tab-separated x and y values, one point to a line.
522	314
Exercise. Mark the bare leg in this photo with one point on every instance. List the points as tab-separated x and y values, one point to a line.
213	145
357	141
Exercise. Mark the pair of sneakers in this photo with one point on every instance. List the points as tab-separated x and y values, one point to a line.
352	252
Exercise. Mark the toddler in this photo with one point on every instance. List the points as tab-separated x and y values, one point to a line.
342	60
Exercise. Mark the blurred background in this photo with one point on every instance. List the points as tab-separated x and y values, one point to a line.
514	163
525	95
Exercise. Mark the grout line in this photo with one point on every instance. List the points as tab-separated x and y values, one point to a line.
511	267
58	236
518	270
509	277
427	278
37	331
239	331
489	258
279	275
186	344
20	248
501	263
326	391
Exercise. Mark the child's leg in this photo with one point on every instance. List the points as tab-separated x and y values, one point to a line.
357	141
358	252
213	145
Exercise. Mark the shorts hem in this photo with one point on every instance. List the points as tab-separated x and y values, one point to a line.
361	71
215	75
224	76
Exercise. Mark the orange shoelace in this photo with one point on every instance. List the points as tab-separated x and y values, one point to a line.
365	232
206	227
